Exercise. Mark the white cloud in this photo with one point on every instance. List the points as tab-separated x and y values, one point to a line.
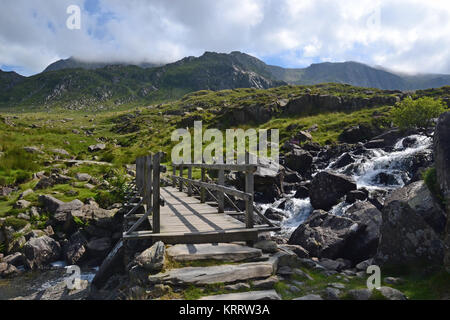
406	35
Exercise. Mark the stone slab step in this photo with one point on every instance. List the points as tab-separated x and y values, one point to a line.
227	273
250	295
221	251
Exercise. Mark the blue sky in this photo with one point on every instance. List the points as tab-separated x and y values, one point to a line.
404	35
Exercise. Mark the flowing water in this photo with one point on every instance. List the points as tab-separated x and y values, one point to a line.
36	282
375	170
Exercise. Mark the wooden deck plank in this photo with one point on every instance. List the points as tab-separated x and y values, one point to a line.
185	219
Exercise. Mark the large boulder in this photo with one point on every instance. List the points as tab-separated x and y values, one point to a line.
8	270
325	235
96	147
442	162
47	182
299	160
358	133
75	251
52	205
420	199
41	251
364	244
405	237
151	259
327	188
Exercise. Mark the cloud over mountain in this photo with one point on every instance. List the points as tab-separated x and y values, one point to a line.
404	35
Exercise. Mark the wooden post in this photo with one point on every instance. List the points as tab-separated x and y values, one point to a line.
156	191
148	178
220	194
140	174
248	189
202	189
180	187
190	178
145	185
174	173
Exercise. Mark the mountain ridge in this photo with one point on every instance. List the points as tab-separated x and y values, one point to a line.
75	84
348	72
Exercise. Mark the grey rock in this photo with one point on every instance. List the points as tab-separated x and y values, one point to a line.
293	289
298	250
82	177
23	216
267	246
360	294
60	151
15	259
393	280
8	270
391	293
99	247
243	296
337	285
22	204
420	199
26	193
152	259
301	274
215	274
442	159
332	294
49	203
264	284
327	188
35	150
309	297
299	160
76	250
41	251
325	235
96	147
364	244
220	251
285	271
237	286
363	265
406	238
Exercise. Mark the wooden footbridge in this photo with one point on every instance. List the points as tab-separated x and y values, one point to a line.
178	212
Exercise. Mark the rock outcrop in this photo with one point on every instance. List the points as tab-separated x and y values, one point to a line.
39	252
327	188
442	162
325	235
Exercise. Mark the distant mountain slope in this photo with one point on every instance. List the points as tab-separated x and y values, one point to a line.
119	84
73	63
352	73
9	79
75	84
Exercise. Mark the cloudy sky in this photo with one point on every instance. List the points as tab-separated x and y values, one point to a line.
409	36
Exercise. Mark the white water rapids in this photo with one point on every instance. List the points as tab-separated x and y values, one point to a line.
365	170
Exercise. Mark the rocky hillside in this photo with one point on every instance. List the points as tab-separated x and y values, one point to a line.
115	85
73	63
78	85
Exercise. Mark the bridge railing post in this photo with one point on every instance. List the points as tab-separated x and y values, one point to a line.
174	173
189	185
202	189
156	193
249	188
139	175
149	180
220	194
180	187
